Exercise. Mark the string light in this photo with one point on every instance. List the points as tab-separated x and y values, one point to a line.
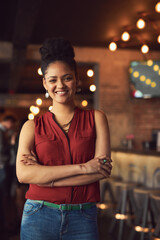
31	108
39	101
155	68
136	74
92	88
125	36
158	39
34	110
39	71
157	7
112	46
144	49
84	103
30	116
50	108
140	23
90	73
149	62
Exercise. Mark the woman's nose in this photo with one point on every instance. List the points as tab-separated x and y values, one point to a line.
60	83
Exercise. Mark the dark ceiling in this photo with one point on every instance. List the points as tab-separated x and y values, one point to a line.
83	22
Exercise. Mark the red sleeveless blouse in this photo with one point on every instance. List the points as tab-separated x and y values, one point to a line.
54	147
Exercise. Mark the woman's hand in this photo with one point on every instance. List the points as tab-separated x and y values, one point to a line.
99	165
30	159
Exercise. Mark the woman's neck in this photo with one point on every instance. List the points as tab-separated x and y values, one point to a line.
63	109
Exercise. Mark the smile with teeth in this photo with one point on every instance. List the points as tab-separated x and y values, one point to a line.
61	92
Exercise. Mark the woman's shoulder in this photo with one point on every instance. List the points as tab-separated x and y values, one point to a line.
28	125
100	116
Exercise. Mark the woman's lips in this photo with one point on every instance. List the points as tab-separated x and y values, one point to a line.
61	93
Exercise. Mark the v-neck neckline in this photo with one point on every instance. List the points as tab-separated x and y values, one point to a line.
72	125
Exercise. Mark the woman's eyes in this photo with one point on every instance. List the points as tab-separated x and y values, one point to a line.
68	78
52	80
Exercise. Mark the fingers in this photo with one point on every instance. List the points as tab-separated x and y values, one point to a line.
33	154
29	156
28	162
29	159
105	166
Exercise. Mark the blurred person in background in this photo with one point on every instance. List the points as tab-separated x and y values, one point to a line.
6	124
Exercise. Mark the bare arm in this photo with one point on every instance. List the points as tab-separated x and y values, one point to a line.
102	149
39	174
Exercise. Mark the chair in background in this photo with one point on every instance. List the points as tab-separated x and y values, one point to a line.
144	222
155	206
126	206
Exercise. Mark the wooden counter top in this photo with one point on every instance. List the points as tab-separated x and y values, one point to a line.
141	152
139	165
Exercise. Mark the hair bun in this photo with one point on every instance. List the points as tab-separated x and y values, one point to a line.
57	49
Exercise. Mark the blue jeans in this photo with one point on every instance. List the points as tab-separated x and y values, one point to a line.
41	222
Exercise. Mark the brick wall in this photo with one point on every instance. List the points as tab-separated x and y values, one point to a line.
125	115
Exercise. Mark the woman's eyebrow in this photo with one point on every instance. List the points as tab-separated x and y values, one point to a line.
51	77
67	74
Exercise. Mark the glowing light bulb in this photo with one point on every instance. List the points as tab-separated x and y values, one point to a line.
31	108
157	7
84	103
92	88
112	46
153	84
39	101
50	108
39	71
30	116
150	63
136	74
125	36
90	73
155	68
158	39
144	49
140	23
148	81
142	78
34	110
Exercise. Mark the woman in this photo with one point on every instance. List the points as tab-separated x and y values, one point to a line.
62	155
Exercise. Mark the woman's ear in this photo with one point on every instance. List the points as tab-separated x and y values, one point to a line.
44	83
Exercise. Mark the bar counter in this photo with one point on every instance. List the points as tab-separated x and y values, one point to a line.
135	165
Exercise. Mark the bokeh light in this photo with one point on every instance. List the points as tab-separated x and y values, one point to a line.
112	46
30	116
125	36
140	23
92	88
39	101
144	49
90	73
39	71
84	103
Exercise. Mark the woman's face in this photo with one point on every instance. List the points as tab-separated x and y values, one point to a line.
60	81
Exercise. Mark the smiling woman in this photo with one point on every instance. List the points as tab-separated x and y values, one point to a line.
60	82
61	155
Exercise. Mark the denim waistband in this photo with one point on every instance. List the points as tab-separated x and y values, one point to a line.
67	206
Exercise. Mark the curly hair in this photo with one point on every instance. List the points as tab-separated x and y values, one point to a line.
57	49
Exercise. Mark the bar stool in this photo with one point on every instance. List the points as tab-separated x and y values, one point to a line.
144	222
155	205
108	199
126	206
